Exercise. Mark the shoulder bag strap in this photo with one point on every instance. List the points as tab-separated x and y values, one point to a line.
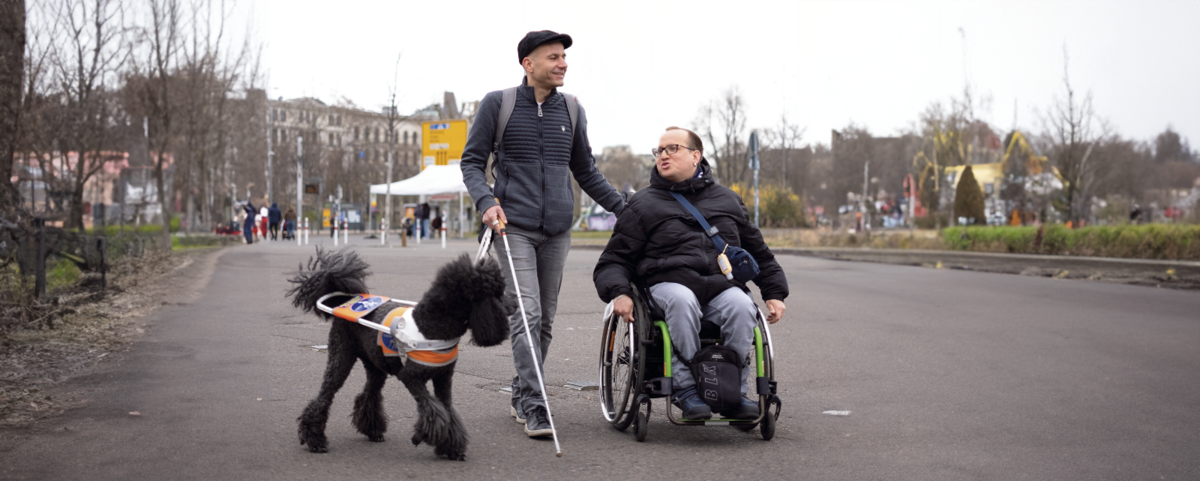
708	230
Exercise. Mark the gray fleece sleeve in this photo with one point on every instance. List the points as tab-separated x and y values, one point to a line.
478	150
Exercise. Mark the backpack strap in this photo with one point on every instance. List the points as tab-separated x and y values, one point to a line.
572	111
708	230
508	102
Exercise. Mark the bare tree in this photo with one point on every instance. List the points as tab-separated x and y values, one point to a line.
209	71
723	127
161	38
1072	130
784	139
623	168
88	52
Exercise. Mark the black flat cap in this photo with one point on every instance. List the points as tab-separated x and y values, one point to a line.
534	40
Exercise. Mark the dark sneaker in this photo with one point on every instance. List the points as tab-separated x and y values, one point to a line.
537	424
747	410
516	414
692	406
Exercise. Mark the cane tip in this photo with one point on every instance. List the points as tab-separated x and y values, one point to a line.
559	454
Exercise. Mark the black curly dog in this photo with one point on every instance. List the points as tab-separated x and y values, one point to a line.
464	295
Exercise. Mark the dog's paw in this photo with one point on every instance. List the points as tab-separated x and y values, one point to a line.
450	454
316	443
378	438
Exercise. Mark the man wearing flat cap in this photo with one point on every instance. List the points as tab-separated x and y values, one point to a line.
539	138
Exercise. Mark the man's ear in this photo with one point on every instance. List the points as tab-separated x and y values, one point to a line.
527	64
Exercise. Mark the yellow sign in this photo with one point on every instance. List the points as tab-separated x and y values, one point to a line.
442	142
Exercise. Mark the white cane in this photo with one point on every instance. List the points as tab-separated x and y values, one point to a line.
528	334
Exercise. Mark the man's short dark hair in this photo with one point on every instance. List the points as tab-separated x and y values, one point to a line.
693	139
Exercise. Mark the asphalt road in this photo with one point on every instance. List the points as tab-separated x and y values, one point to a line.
947	375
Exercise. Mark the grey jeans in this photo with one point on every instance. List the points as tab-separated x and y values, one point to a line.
539	261
733	311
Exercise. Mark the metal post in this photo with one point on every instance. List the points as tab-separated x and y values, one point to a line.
863	203
102	247
754	164
300	189
388	197
270	154
39	258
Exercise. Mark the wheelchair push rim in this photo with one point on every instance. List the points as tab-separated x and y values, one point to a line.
622	363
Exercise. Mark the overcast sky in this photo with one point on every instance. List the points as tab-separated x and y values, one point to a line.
640	66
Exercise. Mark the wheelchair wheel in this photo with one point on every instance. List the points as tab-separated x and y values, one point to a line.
641	427
621	365
767	426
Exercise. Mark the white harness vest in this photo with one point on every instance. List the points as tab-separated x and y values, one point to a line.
398	334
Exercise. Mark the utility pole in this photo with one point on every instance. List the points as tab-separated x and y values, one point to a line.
387	198
863	204
299	179
754	166
270	152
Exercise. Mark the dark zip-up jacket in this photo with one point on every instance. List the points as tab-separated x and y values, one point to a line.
536	159
656	240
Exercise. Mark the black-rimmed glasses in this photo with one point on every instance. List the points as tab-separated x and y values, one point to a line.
670	149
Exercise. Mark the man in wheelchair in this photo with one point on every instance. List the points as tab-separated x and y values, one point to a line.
660	244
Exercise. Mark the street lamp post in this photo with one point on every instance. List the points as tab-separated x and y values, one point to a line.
299	182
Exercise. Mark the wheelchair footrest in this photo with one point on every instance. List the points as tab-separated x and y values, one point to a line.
658	387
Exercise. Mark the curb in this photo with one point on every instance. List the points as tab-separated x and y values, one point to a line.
1165	273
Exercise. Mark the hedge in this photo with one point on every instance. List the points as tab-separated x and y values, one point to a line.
1152	241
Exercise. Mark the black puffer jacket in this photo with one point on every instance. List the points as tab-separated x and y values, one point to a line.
657	240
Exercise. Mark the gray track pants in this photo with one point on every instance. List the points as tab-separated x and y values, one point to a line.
539	261
733	311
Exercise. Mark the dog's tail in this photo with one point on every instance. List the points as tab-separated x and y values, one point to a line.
328	272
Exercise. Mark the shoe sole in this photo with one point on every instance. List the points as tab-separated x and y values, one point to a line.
513	412
538	433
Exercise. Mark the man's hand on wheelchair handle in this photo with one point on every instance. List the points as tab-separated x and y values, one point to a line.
775	310
623	306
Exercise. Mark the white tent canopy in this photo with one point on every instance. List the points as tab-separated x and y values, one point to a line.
435	179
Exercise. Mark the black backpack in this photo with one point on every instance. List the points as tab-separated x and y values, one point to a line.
718	373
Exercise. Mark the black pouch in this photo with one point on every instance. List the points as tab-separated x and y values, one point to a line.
745	268
718	373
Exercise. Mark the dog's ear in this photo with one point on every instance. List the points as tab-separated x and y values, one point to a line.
489	279
488	322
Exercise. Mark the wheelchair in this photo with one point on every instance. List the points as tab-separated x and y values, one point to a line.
635	367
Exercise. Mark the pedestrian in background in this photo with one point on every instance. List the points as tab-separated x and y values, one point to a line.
423	218
289	219
248	224
273	218
263	214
